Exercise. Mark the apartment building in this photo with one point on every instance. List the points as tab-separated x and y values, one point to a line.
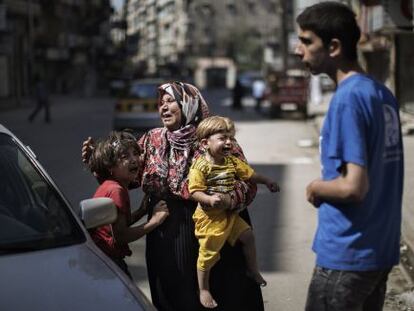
387	44
178	37
65	42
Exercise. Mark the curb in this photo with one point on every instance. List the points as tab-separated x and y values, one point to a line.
407	261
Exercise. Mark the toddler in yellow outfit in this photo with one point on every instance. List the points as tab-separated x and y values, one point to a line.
210	175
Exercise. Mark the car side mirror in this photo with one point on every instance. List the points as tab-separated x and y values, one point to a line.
97	212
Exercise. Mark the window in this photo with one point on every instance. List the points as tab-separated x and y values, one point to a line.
32	213
231	8
251	6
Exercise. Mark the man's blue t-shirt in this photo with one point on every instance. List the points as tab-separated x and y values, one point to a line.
362	127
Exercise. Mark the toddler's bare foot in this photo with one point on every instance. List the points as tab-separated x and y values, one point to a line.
257	277
207	300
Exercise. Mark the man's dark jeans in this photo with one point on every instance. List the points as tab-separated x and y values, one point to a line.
334	290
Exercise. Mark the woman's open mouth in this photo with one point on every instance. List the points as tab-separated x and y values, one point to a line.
166	116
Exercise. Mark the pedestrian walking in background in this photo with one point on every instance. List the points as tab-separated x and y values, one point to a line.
258	90
359	196
42	99
238	93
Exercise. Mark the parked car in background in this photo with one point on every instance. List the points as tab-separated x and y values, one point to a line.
289	92
48	261
117	87
138	108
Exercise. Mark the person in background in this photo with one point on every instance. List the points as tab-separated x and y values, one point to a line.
172	248
211	175
42	99
116	161
258	91
359	196
238	95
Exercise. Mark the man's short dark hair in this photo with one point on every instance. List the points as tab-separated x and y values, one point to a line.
332	20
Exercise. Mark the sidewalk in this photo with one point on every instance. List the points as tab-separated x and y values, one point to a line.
400	294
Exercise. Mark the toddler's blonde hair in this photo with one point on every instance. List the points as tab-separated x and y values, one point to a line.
213	125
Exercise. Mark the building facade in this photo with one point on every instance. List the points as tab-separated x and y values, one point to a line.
387	42
178	37
64	42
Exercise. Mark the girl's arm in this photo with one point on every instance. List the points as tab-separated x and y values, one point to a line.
141	211
125	234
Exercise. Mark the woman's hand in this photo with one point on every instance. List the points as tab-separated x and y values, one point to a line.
87	148
273	186
215	200
159	214
225	201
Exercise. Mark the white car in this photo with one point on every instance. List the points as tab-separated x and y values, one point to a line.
47	258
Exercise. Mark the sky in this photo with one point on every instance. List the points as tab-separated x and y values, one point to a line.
117	4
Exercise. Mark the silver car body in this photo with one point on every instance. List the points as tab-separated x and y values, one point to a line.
45	273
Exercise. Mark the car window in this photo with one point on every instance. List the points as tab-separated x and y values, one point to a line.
32	213
144	90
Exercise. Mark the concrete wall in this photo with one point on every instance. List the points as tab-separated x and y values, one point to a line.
203	64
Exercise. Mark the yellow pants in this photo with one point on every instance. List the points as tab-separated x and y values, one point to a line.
212	229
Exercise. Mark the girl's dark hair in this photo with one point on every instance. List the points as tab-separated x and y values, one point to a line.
332	20
109	151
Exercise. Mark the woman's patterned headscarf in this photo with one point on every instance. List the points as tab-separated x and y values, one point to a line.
167	165
193	106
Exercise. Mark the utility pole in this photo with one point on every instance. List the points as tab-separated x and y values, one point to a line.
284	36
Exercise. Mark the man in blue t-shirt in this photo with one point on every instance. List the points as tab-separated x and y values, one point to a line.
360	193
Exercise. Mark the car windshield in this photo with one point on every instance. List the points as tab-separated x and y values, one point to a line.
144	90
33	215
